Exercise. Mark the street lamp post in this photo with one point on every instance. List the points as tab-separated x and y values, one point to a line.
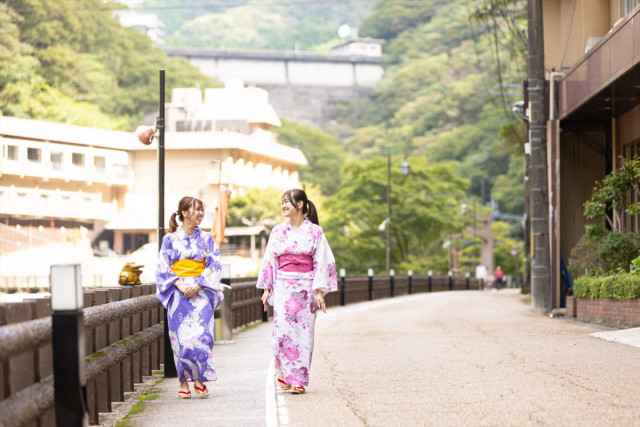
404	169
388	227
170	370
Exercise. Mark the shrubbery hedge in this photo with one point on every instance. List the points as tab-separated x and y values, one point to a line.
620	286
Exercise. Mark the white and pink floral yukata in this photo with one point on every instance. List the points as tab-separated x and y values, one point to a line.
296	264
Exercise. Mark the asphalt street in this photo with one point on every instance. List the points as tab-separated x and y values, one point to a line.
480	358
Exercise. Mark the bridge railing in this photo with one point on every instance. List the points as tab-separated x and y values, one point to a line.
247	305
123	338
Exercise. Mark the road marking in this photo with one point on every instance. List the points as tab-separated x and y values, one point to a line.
270	407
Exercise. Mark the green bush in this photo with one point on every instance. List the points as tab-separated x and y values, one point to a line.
620	286
584	256
617	250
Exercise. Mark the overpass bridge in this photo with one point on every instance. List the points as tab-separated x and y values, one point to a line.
303	86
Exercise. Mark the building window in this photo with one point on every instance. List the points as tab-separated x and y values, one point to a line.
626	6
77	159
12	152
100	164
56	161
34	154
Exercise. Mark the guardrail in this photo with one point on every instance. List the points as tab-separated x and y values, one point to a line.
247	305
124	338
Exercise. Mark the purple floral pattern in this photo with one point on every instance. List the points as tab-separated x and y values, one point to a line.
191	321
292	296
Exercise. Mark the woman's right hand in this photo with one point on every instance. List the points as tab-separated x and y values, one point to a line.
265	297
189	291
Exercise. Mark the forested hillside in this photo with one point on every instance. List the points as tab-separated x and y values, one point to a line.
70	61
452	74
257	24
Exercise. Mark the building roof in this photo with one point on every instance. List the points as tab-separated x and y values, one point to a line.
260	142
71	134
358	40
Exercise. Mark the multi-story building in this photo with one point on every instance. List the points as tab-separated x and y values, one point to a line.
57	177
592	53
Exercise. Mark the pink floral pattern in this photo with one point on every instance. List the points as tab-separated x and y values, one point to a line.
292	296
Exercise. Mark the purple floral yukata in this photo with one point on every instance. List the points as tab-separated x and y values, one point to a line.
292	298
191	321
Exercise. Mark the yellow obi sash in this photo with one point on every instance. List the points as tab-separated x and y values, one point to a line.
188	267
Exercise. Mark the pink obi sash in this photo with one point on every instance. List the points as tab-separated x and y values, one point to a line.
296	263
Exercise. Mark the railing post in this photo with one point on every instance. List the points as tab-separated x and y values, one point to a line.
410	274
67	329
467	280
226	313
370	274
392	273
450	280
342	291
429	281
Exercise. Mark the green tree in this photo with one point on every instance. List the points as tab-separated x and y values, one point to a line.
255	207
71	61
322	150
425	207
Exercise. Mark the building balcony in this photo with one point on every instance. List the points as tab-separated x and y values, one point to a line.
38	203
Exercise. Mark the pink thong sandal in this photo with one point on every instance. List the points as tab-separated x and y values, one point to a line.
283	385
297	389
201	391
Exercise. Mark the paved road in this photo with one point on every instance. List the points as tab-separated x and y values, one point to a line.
450	358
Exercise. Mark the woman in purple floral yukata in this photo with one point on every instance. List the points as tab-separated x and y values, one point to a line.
298	269
188	280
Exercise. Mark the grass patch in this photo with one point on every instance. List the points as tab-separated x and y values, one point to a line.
140	405
250	326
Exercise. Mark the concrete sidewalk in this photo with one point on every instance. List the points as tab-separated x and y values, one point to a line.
237	398
447	358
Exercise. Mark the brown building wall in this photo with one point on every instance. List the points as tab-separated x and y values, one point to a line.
568	25
582	159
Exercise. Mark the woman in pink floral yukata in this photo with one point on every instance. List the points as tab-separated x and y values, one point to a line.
298	269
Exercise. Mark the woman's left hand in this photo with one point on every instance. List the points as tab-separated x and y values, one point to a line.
320	302
192	291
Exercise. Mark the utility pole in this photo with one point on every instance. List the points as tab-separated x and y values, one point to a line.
540	270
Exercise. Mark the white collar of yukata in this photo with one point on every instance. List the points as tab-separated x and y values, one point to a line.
183	234
306	220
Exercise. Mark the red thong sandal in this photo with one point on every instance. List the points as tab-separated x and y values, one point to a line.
184	394
202	392
283	385
297	389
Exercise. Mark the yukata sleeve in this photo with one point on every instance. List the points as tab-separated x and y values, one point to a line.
165	277
210	277
325	278
269	267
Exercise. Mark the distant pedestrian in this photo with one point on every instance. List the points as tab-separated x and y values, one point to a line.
298	269
188	280
498	277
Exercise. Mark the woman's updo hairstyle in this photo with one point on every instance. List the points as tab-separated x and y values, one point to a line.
296	195
185	204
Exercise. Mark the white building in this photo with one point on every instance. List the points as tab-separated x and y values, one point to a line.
57	177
